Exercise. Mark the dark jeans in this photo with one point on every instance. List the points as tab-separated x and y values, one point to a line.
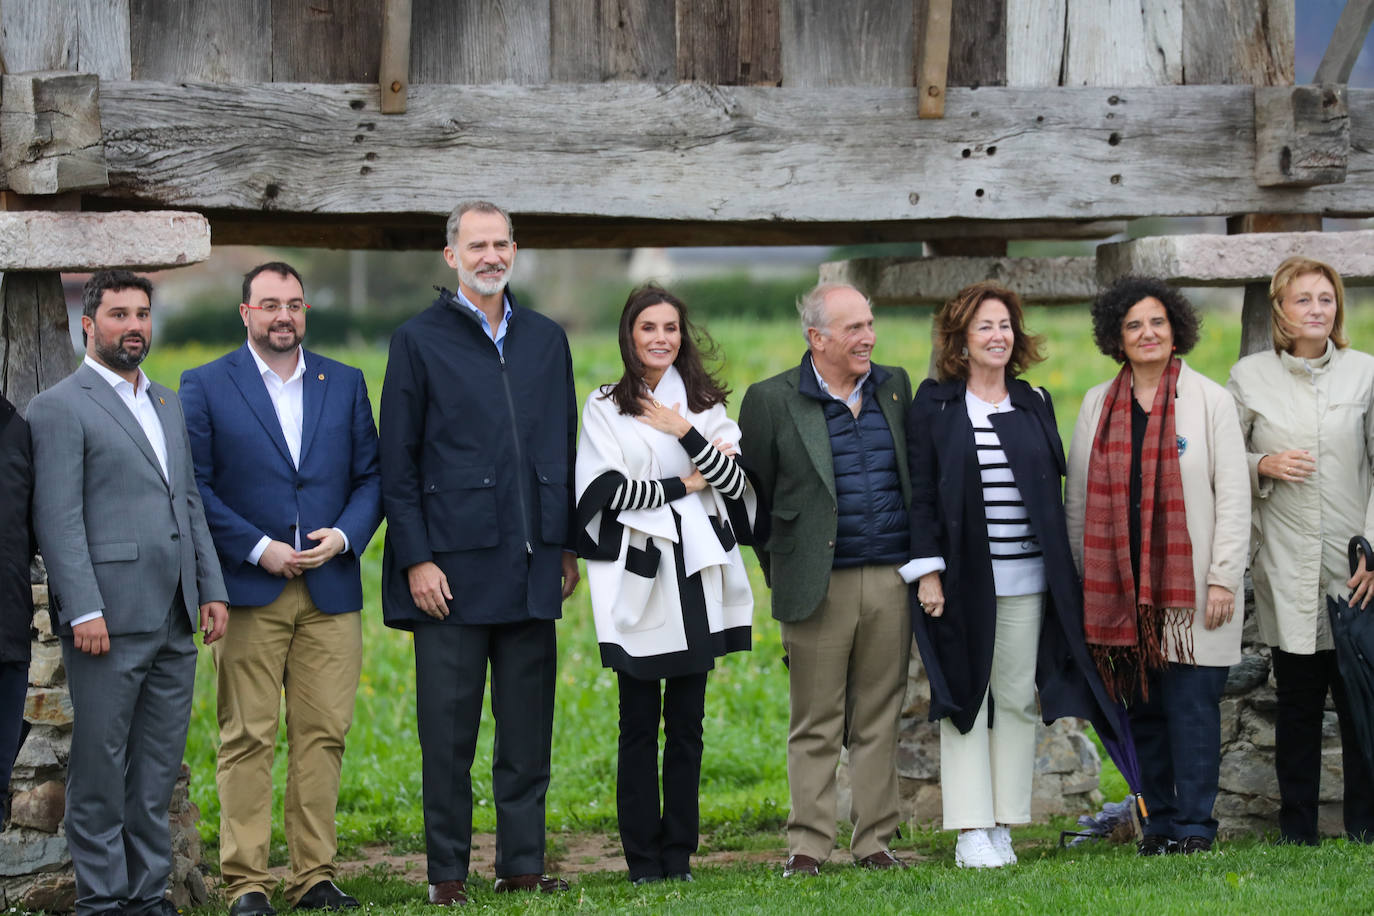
1303	681
1178	742
658	844
450	677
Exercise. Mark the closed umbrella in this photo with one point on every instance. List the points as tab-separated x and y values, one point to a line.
1352	631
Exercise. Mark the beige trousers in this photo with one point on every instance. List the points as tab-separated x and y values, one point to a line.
848	664
315	658
985	776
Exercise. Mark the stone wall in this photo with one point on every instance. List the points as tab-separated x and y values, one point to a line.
35	864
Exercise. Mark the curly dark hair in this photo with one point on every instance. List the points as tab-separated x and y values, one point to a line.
952	324
704	390
1110	309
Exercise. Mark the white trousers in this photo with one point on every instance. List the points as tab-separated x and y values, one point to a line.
985	775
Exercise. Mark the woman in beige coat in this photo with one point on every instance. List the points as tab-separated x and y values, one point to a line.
1305	408
1158	453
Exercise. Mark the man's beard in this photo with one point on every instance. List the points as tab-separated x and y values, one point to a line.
117	357
484	286
265	340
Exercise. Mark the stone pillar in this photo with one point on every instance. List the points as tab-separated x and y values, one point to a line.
35	864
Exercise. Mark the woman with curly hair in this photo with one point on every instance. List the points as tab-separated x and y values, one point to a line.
662	506
1306	410
999	610
1158	501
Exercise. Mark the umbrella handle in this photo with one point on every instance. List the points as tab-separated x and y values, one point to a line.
1358	545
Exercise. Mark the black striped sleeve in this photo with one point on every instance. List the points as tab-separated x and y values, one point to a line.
721	472
646	494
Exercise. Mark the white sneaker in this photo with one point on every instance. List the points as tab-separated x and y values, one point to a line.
1000	837
974	850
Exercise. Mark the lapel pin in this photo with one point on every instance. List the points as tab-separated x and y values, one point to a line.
162	402
894	395
321	376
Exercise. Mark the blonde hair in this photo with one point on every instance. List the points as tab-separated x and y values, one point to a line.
1288	271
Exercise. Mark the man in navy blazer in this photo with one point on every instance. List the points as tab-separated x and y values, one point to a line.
286	460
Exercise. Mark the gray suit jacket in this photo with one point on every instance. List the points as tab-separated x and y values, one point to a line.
117	536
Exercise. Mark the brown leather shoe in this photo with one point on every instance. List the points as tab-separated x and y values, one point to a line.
545	884
883	858
448	893
801	866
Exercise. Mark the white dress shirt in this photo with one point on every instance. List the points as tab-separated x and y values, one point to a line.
288	400
140	404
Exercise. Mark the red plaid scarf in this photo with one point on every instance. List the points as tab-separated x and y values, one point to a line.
1125	622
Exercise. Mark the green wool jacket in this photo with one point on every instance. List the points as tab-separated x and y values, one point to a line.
786	449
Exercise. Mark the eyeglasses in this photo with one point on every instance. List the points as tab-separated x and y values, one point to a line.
272	307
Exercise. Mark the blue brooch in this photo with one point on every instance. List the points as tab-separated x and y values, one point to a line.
1182	445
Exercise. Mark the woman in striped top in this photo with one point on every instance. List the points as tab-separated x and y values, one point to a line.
663	506
999	612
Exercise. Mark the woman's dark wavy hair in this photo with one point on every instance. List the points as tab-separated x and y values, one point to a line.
1110	309
704	390
951	331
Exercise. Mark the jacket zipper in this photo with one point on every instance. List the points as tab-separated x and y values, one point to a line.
519	456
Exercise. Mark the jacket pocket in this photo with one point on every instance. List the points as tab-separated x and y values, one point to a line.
118	552
781	538
553	501
460	509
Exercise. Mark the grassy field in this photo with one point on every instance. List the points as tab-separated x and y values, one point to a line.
743	785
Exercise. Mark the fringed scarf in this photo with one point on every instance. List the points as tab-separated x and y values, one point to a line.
1126	622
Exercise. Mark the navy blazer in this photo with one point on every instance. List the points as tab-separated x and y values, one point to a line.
948	520
250	487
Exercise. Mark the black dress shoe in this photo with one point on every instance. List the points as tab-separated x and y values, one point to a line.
326	896
645	879
1194	844
253	903
1155	845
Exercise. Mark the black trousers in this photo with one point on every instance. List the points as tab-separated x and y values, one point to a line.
1303	681
659	841
450	677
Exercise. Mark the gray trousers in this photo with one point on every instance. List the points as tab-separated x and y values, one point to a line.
132	709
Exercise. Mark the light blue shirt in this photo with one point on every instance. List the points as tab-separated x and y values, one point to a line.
854	396
499	338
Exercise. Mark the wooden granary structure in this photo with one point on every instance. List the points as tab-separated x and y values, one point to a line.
963	123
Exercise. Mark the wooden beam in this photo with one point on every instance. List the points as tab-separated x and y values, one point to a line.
393	76
856	43
1346	42
35	347
1302	135
1233	260
709	153
50	137
1035	42
44	240
932	80
933	281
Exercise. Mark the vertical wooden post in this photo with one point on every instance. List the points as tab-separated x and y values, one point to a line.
934	67
394	73
1255	331
36	346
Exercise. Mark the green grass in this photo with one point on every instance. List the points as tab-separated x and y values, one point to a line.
744	780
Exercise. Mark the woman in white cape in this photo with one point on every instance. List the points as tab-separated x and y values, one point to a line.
663	506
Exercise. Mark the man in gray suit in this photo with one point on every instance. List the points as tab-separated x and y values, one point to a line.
133	573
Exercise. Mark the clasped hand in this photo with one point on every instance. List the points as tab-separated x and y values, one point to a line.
281	559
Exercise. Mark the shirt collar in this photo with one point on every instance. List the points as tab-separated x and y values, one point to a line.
505	303
853	395
263	368
1298	363
115	379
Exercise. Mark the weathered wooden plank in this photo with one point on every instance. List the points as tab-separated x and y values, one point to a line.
710	153
1302	135
326	41
50	137
729	42
102	42
1231	260
37	349
41	240
201	40
480	41
1238	41
38	35
860	43
933	281
1035	42
393	74
932	73
978	43
1124	43
592	41
1346	42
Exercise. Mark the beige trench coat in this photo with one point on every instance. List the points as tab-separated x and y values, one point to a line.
1300	530
1216	499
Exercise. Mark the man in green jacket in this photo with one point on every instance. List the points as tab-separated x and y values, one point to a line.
826	445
